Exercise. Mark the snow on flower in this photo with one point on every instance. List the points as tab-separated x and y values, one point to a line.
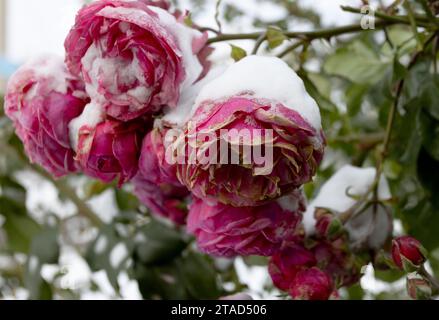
42	98
134	57
269	137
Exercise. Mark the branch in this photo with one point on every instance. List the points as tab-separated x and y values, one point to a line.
309	35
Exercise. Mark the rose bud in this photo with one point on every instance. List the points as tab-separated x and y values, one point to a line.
227	231
247	142
164	200
311	284
408	253
287	262
134	56
107	149
369	230
327	226
418	288
41	99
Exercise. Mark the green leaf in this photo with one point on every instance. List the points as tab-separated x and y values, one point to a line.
237	53
126	201
156	243
190	276
355	95
275	37
163	282
358	63
19	227
199	276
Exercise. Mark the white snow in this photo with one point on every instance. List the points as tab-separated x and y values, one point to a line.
50	68
118	255
266	78
113	72
177	117
291	202
334	195
92	115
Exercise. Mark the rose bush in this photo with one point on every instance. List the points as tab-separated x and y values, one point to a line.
135	57
42	98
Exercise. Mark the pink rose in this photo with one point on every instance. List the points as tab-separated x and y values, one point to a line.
153	163
294	267
134	56
165	200
226	231
286	263
41	99
275	148
110	149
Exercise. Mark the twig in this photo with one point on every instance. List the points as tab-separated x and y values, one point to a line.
291	48
259	42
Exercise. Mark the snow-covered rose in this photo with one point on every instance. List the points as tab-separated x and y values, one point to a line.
41	99
135	57
265	131
106	148
226	231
